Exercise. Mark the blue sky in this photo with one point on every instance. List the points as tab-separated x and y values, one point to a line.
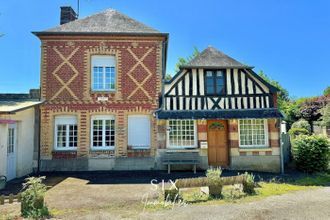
288	40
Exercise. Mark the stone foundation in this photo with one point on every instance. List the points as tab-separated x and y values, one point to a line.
256	163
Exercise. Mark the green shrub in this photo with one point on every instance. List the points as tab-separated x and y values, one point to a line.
172	195
294	132
213	174
249	184
302	123
32	201
214	182
311	153
233	192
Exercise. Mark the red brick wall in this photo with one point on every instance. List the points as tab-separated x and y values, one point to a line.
66	85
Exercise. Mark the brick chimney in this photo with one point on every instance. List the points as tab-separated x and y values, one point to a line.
67	14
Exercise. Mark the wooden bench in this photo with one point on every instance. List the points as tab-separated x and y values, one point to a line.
180	158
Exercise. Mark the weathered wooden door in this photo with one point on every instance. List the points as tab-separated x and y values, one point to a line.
217	138
11	152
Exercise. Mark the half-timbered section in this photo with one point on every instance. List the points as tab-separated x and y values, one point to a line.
224	110
100	80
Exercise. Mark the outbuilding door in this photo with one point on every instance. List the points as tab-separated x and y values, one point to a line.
11	152
217	138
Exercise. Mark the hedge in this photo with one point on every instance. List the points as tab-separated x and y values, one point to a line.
311	153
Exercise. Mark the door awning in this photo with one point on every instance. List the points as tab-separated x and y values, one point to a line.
7	121
220	114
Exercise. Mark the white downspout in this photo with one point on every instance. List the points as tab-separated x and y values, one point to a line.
281	148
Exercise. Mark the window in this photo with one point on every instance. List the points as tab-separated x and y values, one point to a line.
11	140
103	73
103	132
66	133
253	133
139	131
181	134
215	82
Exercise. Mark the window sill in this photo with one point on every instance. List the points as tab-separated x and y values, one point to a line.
102	91
249	149
102	148
182	150
66	150
140	148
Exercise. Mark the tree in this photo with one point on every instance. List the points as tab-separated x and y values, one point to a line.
283	94
183	61
326	92
325	118
168	77
310	110
283	100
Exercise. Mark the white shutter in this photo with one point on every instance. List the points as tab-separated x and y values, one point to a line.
139	131
65	120
109	61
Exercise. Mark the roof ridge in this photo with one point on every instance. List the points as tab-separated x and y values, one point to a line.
212	57
109	21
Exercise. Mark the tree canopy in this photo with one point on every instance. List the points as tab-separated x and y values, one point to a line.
283	94
325	118
183	61
326	92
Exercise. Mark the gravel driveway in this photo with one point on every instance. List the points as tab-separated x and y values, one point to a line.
310	204
119	195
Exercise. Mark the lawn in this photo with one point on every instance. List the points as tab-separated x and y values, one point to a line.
234	194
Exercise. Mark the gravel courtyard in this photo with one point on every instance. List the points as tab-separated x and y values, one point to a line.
122	196
309	204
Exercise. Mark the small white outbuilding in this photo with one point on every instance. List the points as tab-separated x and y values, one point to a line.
19	134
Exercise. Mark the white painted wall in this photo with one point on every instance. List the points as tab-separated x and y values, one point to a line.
25	142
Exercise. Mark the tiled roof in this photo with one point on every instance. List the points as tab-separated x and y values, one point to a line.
213	58
13	102
108	21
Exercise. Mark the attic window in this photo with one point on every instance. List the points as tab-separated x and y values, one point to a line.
214	80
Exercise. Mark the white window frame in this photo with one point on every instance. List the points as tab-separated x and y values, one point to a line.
101	61
149	133
169	146
265	145
66	120
103	118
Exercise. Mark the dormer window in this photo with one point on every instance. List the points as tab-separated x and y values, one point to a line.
103	73
215	83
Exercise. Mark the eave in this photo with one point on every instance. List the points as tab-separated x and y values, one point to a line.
220	114
63	33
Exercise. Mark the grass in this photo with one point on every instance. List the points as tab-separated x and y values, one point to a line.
233	194
322	179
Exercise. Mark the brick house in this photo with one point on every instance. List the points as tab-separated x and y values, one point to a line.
107	107
100	80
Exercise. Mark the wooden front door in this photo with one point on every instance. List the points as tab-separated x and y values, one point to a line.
217	139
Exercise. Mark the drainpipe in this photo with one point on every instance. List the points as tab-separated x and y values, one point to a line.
164	54
39	141
281	148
